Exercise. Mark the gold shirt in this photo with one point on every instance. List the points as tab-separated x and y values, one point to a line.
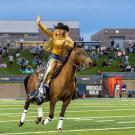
56	44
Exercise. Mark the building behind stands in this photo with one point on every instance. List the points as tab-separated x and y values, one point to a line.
115	37
24	30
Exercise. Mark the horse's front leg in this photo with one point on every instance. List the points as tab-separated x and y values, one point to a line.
51	114
61	118
24	114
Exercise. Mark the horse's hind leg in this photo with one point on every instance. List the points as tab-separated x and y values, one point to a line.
40	114
61	118
23	118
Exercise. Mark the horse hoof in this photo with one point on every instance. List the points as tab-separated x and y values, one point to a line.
20	124
60	130
43	122
38	120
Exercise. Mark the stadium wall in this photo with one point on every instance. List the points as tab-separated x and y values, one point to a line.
12	91
12	87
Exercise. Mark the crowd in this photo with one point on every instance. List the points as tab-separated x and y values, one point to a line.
38	54
3	52
8	57
112	55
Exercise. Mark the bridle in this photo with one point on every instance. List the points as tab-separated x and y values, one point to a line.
81	67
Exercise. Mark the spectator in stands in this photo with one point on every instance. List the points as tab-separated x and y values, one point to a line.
117	47
23	67
111	58
19	60
122	66
8	44
23	64
29	67
33	50
93	54
112	43
104	64
2	65
94	63
130	49
109	63
1	50
86	47
11	59
134	48
99	73
128	68
126	63
21	46
119	54
17	53
1	59
132	69
36	59
126	57
5	50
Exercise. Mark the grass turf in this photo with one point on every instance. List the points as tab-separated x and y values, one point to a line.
87	117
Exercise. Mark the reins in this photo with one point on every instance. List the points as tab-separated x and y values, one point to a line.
80	67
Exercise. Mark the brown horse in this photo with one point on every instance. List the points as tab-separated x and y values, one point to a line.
61	88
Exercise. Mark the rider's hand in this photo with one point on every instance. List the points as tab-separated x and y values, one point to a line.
38	20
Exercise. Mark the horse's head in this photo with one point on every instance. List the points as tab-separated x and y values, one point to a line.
80	59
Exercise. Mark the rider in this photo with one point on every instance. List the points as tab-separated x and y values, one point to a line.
59	45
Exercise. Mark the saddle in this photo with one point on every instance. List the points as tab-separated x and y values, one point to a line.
57	71
59	68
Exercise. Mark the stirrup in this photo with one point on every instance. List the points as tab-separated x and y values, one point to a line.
40	99
45	89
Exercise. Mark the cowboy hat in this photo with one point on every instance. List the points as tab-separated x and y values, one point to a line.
62	26
59	26
66	28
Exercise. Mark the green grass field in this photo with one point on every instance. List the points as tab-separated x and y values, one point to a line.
83	117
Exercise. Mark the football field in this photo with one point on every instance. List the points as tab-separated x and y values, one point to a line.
83	117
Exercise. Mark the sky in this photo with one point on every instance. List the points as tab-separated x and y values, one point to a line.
93	15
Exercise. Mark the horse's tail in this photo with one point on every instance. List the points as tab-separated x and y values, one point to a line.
26	82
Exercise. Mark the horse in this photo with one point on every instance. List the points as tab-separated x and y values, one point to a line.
62	87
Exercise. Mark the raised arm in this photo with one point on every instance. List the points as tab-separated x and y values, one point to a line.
43	27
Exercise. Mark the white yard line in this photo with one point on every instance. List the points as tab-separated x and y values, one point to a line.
93	117
66	131
34	108
79	119
77	106
125	122
104	121
127	100
103	117
83	111
4	121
